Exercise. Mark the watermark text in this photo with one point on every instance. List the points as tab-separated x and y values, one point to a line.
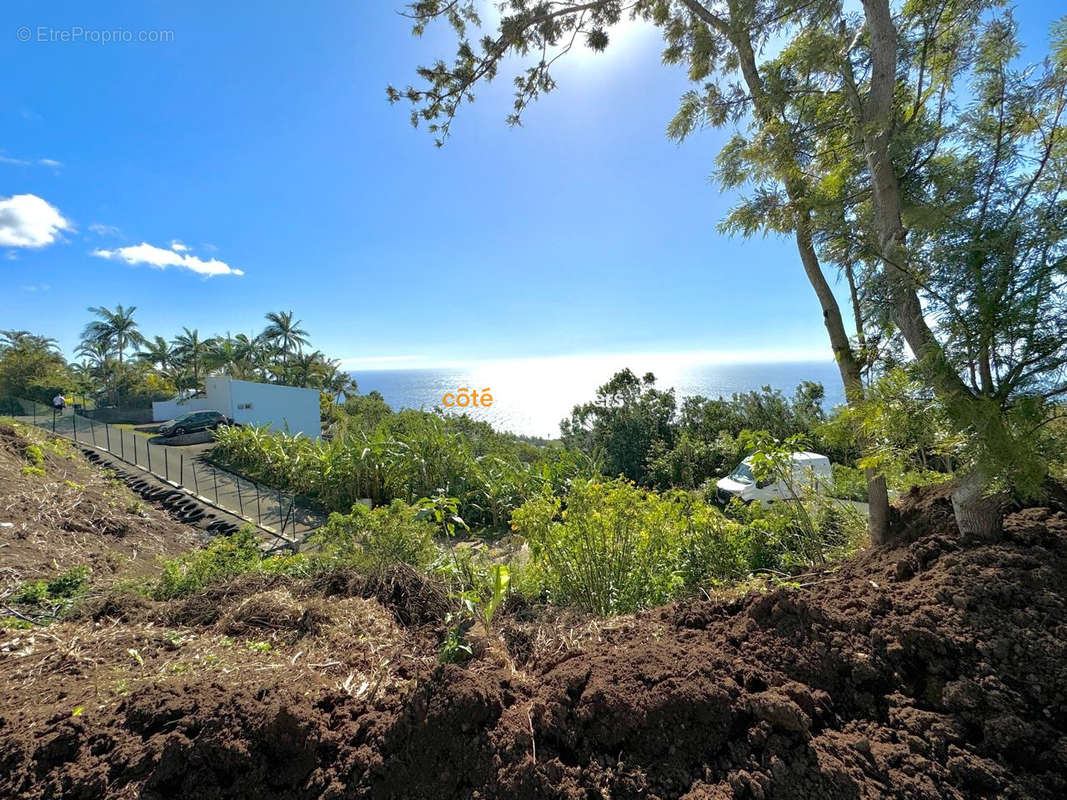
466	397
77	34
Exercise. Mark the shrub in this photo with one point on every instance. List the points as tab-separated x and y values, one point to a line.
715	550
613	549
376	540
849	483
225	557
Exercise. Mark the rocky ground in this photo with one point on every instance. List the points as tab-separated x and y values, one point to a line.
935	669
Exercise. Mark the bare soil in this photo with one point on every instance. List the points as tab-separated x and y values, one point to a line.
73	514
936	669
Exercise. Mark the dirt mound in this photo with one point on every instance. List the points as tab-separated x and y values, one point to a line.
275	610
411	596
935	670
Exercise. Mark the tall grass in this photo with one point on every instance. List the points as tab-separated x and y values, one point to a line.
408	456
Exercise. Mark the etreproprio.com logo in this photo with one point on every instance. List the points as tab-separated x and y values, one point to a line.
48	34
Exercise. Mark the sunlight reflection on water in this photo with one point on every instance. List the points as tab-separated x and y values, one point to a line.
531	396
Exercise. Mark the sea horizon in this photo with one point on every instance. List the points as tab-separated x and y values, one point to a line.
531	396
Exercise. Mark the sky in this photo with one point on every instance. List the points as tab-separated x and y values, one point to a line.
244	161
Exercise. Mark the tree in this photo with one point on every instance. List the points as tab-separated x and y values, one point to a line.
116	328
285	333
30	367
20	338
982	188
629	421
232	356
716	40
192	354
159	353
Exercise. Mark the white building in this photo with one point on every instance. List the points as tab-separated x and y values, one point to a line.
289	409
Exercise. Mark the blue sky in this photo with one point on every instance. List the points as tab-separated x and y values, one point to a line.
262	142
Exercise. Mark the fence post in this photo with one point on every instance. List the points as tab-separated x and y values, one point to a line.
74	420
33	410
215	478
196	482
122	444
281	519
107	436
166	464
148	449
181	468
92	430
259	512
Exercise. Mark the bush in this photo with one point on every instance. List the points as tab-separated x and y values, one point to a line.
225	557
613	549
408	456
376	540
715	550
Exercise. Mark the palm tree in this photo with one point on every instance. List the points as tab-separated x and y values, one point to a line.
336	382
305	369
94	353
159	354
117	328
231	355
191	352
25	339
283	332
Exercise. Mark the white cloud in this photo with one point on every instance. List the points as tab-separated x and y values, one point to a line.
160	258
26	220
178	247
30	162
37	287
104	230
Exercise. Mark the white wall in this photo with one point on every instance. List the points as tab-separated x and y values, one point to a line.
169	409
284	408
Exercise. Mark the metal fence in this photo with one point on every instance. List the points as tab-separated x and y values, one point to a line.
272	510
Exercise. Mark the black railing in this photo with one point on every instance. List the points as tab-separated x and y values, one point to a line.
274	511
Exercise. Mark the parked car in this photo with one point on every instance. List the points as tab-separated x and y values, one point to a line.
810	471
194	421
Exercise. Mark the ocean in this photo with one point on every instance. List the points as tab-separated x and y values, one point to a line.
531	396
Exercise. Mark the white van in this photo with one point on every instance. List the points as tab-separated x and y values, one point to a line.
811	471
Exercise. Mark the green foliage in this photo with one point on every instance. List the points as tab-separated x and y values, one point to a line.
375	540
628	420
612	549
35	455
31	368
641	436
56	594
225	557
455	648
849	483
408	456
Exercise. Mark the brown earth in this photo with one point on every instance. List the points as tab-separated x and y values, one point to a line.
72	515
935	669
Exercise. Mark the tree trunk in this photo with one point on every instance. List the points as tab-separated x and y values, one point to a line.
974	513
878	507
847	363
978	514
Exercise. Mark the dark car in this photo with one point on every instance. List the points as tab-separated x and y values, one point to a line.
194	421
